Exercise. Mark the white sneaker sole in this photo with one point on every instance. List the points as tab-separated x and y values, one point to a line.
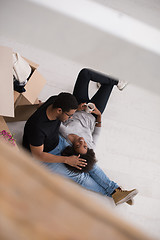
128	197
121	88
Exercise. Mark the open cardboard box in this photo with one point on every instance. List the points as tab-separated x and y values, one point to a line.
10	99
33	87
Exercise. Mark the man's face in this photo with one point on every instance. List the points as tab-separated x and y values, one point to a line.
66	115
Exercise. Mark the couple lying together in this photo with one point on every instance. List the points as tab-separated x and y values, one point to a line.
62	134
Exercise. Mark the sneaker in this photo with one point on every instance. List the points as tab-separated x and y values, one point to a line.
130	202
121	196
98	85
121	85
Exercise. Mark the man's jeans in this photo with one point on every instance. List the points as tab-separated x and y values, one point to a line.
95	180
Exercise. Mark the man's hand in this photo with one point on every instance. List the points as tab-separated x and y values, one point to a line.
76	162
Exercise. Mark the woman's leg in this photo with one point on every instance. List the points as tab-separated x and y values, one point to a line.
101	178
81	86
102	95
83	179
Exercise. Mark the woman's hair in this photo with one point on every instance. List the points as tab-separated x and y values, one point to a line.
65	101
89	156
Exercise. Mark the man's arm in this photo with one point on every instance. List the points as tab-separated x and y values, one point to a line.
74	161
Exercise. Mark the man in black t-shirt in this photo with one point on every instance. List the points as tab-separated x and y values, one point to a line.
41	131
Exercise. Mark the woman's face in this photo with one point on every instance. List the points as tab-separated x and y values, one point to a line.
80	146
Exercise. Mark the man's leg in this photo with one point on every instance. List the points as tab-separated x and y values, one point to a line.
83	179
60	147
94	183
57	151
101	178
112	188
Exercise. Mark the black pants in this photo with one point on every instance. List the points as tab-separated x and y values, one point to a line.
101	97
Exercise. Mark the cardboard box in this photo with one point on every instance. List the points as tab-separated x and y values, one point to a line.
22	113
6	82
9	98
33	87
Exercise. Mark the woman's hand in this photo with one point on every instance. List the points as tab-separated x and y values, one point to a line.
76	162
98	118
96	111
81	107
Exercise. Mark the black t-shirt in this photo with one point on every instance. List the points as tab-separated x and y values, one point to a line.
40	130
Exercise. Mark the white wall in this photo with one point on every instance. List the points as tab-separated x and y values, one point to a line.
64	36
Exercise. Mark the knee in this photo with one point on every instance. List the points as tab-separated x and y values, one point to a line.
84	71
94	168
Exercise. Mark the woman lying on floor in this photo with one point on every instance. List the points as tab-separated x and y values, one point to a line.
81	132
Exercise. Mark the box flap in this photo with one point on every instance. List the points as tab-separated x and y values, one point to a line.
16	96
6	82
32	64
34	87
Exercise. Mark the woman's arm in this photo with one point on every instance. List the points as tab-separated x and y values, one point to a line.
98	121
98	125
98	118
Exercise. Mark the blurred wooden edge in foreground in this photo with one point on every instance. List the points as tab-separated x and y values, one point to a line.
36	204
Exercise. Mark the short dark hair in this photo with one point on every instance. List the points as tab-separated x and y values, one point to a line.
66	101
89	156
